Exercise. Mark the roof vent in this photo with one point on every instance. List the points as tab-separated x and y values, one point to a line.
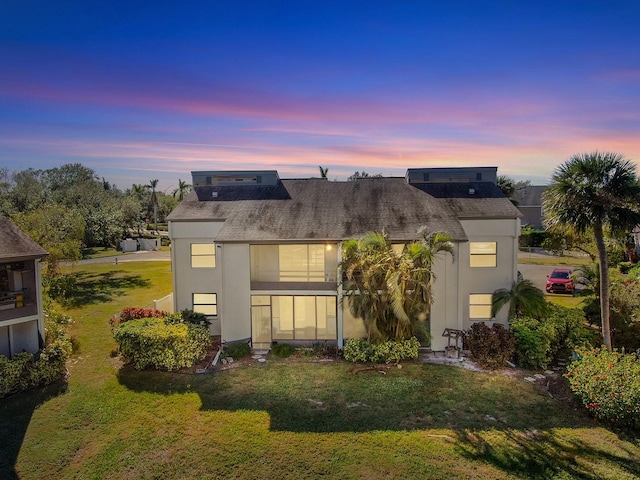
214	194
472	191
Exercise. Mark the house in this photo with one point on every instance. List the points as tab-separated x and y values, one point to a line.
529	202
260	254
21	314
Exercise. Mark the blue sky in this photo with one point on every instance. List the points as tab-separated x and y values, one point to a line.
141	90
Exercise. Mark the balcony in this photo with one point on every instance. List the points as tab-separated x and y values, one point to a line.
17	304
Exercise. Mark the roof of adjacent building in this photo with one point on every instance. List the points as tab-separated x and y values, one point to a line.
307	209
529	196
15	244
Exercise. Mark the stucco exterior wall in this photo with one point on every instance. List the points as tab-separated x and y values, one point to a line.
234	304
505	233
446	308
187	280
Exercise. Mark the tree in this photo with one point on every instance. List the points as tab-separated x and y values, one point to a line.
593	192
323	171
390	289
358	175
154	200
59	230
506	185
524	299
183	189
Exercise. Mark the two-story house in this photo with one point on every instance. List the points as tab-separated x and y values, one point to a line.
260	255
21	314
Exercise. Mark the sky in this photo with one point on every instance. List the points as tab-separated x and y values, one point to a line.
141	90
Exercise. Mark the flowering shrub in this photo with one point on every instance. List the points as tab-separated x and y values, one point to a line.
152	342
134	313
491	347
608	384
361	350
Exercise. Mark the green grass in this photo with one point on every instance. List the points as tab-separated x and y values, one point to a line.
287	419
551	260
565	300
100	252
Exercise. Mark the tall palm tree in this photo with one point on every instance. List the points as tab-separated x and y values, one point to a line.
390	289
595	192
524	298
182	190
154	200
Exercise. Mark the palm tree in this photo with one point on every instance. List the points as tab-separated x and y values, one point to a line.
390	289
589	277
594	192
506	185
182	190
154	200
524	299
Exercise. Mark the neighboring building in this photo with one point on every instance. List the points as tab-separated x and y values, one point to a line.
260	255
21	315
528	199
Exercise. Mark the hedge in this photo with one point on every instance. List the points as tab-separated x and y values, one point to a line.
361	350
151	342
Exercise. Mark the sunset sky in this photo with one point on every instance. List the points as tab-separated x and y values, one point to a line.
141	90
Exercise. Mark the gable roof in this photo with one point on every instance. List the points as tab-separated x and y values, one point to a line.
327	210
15	244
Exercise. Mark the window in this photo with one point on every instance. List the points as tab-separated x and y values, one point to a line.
483	254
203	255
480	305
299	317
294	263
206	303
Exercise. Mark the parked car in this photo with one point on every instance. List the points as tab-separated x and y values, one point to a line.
560	281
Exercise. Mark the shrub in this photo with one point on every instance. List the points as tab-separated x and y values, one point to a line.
491	347
539	341
358	350
320	349
237	350
624	267
361	350
282	350
189	316
134	313
533	342
634	273
60	288
26	370
608	384
151	342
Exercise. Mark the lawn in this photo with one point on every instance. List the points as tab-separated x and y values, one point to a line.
287	419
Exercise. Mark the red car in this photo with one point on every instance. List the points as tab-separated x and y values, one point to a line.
560	281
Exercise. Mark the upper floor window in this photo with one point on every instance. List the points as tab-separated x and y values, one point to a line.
483	254
294	263
203	255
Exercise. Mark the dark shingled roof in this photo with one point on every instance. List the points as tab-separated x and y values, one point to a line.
486	201
529	196
15	244
326	210
231	193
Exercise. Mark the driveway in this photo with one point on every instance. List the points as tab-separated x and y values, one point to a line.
538	273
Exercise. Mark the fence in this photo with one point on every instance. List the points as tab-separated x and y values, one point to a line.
165	303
